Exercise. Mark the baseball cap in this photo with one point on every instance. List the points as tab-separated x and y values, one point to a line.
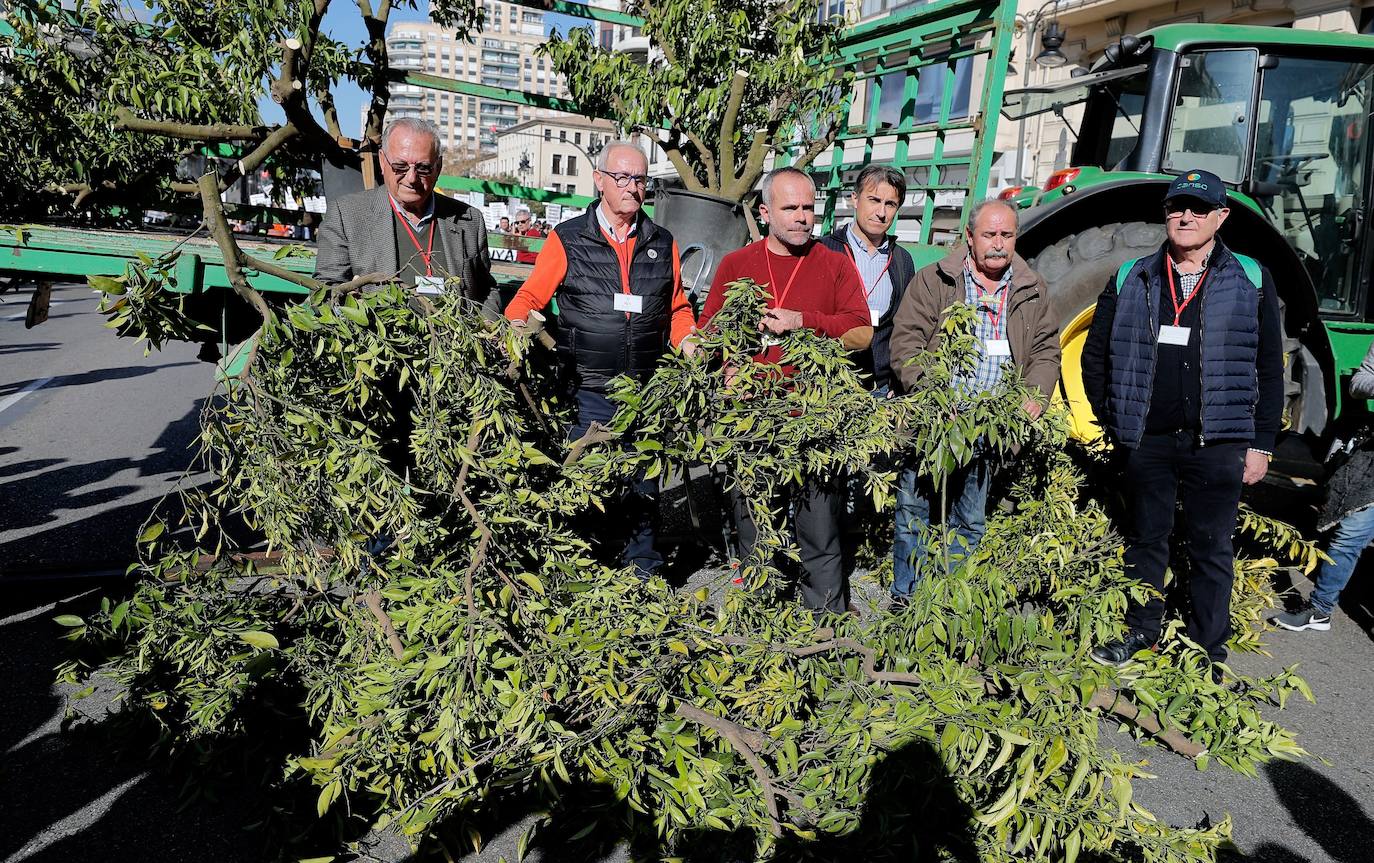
1203	185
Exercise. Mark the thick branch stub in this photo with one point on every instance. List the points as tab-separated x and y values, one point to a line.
373	600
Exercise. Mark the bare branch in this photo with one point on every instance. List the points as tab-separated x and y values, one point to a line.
706	156
672	148
229	250
125	120
744	741
373	600
596	433
728	126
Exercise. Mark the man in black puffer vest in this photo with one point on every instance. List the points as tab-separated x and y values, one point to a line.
1183	366
884	267
617	282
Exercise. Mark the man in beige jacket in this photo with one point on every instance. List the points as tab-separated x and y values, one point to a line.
1015	324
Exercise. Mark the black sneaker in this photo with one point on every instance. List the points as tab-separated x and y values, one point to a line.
1306	617
1118	653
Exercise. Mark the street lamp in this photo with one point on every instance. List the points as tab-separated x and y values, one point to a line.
1050	57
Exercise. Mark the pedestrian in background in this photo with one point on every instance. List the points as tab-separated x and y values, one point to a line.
1348	513
812	288
618	281
1183	366
1015	325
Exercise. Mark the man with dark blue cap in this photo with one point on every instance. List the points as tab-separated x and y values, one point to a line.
1183	367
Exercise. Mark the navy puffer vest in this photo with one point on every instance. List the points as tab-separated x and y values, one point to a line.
596	342
1229	343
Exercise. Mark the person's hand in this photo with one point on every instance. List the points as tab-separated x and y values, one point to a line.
779	321
688	346
1256	466
519	325
1033	407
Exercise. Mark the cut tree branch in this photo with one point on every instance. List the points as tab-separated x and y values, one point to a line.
373	600
672	148
596	433
747	743
708	160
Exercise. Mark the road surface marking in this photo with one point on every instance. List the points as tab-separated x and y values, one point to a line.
50	303
14	399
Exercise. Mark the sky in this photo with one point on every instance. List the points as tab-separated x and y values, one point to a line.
344	23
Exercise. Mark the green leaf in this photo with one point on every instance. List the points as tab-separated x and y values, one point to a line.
259	639
152	532
69	620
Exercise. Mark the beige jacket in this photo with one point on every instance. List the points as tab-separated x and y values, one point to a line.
1031	327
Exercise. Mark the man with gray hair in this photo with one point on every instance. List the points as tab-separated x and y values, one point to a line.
1015	324
402	228
619	308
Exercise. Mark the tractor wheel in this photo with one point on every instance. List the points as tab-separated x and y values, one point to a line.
1075	270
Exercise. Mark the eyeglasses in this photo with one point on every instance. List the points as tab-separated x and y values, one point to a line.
1199	209
522	221
421	169
623	180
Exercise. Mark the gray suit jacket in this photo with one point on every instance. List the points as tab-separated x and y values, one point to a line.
356	238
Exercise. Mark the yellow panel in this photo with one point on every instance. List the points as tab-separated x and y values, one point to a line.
1083	424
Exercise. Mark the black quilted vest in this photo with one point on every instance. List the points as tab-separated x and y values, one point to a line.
595	341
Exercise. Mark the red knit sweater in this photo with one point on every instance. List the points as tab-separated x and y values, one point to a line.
827	290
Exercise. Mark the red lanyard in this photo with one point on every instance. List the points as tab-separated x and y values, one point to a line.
427	253
995	317
868	292
1173	292
779	299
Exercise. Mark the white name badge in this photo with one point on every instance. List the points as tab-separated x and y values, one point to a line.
629	303
1171	335
874	316
429	284
997	347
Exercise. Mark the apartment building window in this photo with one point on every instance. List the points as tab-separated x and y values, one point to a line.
572	166
563	135
577	137
548	134
557	164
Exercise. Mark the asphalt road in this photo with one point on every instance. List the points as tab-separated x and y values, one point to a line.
92	434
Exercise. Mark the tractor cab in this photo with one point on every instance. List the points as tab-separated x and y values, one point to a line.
1282	117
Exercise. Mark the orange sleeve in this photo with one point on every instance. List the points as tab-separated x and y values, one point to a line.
549	269
684	322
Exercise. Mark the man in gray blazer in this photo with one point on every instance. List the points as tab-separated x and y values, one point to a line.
403	229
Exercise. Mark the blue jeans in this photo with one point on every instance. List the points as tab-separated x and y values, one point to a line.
967	490
633	518
1353	534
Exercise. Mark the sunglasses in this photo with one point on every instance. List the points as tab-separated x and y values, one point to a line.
1199	209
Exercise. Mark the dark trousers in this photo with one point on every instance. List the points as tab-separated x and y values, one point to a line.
1163	470
632	519
815	509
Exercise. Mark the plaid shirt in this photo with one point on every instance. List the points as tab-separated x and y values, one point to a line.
1187	282
988	372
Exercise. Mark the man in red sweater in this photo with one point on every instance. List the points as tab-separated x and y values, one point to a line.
818	289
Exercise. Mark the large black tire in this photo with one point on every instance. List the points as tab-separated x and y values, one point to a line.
1077	268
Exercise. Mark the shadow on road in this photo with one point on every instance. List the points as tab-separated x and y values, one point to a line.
1323	810
912	813
69	795
31	347
37	492
92	377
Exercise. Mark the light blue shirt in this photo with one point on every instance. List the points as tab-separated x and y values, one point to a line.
420	222
605	224
873	269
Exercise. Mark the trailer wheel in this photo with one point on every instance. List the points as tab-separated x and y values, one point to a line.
1075	270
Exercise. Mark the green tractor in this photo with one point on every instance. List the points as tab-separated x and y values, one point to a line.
1280	115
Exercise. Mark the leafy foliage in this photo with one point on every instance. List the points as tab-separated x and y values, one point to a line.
736	79
454	640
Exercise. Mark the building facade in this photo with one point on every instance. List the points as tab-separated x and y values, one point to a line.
553	153
502	55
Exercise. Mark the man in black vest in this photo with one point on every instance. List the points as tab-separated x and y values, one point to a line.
1183	366
617	280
